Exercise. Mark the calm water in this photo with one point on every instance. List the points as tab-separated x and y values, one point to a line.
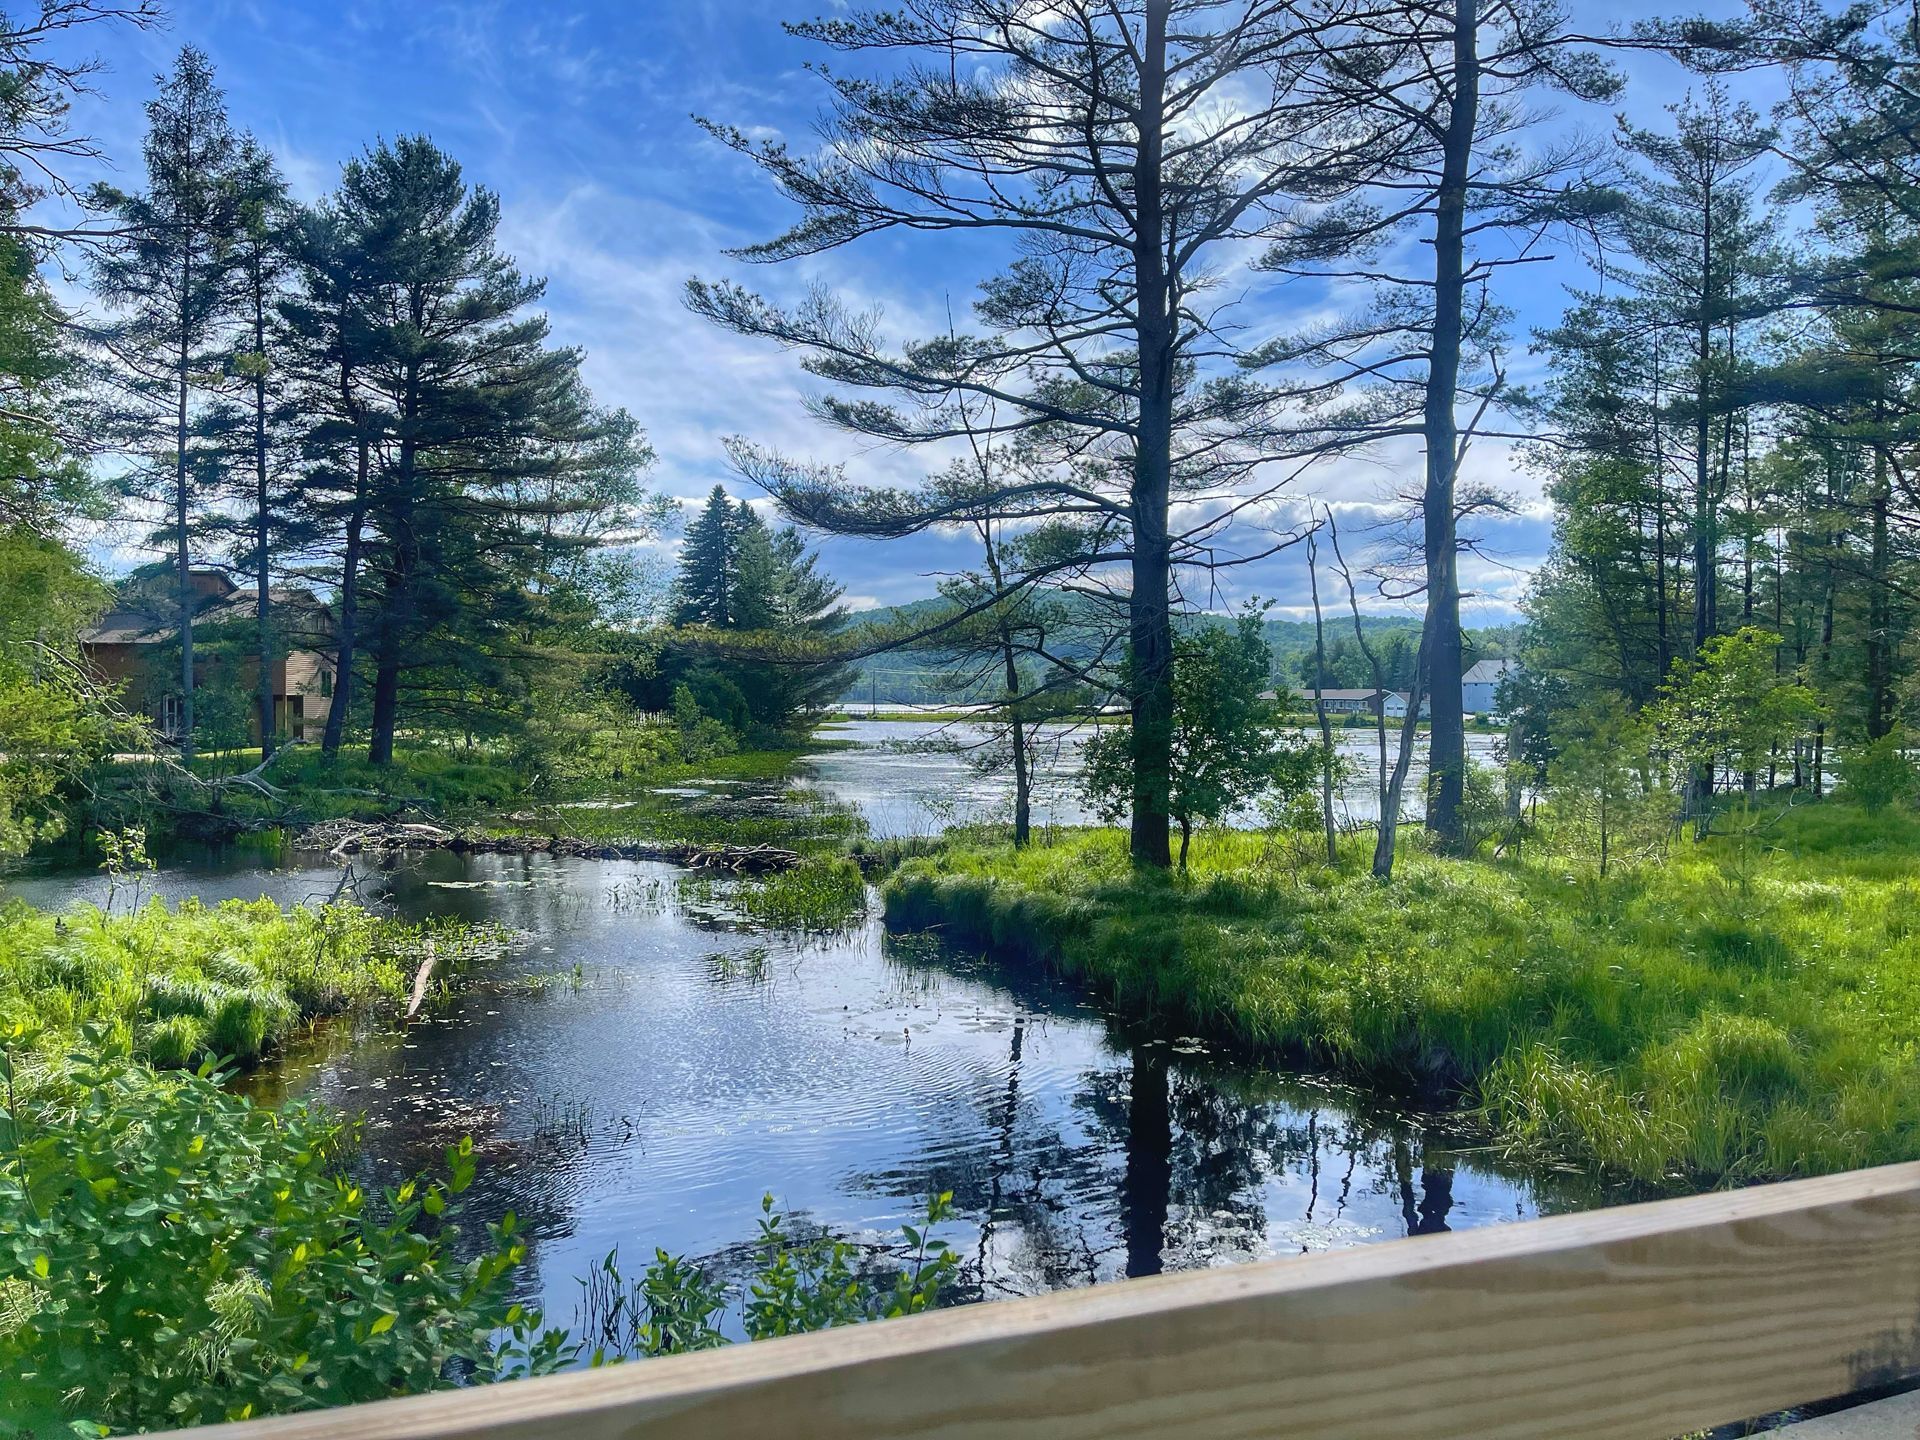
692	1064
916	777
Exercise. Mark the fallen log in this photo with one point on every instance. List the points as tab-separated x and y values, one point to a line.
343	838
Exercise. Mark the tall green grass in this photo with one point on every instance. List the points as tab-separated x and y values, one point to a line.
173	986
1708	1018
822	893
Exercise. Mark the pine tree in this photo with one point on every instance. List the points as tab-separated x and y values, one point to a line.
1440	89
1120	152
246	423
330	330
759	613
167	275
704	593
1697	235
472	399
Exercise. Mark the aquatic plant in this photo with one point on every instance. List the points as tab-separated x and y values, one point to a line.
560	1123
818	894
798	1283
751	964
822	894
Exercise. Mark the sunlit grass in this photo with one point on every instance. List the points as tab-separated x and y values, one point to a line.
175	985
1693	1020
453	785
822	893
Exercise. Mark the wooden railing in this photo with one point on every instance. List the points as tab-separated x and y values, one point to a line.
1644	1321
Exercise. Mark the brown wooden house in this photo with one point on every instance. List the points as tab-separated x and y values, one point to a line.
134	646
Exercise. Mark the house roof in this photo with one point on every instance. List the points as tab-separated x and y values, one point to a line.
1306	693
151	618
1487	672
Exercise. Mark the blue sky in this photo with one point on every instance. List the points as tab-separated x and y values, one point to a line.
578	115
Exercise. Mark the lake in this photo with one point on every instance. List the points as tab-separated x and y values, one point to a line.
916	777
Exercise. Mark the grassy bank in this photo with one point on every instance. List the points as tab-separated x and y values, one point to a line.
173	986
1724	1014
303	786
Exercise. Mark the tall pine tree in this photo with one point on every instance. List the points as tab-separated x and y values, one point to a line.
167	275
470	396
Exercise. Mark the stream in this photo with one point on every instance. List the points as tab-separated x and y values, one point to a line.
642	1066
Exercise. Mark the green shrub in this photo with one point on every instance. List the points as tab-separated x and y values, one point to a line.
1878	774
173	1255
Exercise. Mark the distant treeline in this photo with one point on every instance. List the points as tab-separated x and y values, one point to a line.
927	676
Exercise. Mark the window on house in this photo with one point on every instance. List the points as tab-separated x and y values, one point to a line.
326	684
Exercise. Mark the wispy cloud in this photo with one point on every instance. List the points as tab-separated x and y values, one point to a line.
578	114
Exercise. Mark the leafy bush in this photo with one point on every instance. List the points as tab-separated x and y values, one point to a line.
701	735
1878	774
799	1284
1230	743
53	728
584	742
173	1255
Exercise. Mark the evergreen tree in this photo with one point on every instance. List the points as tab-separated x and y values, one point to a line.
471	399
705	592
1120	152
757	616
167	274
1439	90
1704	278
246	423
331	330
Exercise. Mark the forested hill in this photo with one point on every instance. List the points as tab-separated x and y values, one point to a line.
923	676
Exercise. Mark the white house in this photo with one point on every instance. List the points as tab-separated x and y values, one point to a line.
1480	686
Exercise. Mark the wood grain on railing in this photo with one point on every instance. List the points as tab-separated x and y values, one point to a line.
1643	1321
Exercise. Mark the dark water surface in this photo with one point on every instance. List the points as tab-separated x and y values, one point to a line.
641	1067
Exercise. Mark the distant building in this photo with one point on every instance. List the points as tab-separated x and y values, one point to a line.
1480	686
133	646
1356	702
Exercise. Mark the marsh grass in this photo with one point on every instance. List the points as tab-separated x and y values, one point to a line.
1727	1014
823	894
467	786
747	799
177	985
